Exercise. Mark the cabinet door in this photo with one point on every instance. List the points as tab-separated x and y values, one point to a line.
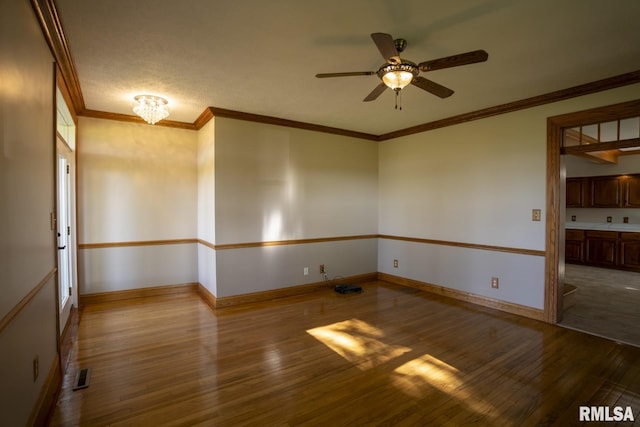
574	251
606	192
601	248
632	191
630	250
574	246
575	189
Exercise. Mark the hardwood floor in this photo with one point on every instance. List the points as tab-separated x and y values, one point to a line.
388	356
606	302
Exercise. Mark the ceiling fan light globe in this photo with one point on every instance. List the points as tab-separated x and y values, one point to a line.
398	79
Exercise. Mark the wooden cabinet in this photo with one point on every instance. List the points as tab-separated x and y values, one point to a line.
574	246
616	191
631	191
576	192
606	192
601	248
612	249
630	251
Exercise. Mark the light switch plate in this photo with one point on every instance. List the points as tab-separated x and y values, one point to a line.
536	214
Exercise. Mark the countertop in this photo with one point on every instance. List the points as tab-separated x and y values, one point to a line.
604	226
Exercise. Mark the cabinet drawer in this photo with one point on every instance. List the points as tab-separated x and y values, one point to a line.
628	235
575	234
613	235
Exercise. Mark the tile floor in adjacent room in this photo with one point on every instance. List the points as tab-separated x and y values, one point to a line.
606	302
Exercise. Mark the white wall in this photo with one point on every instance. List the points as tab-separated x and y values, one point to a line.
28	251
476	182
275	183
137	183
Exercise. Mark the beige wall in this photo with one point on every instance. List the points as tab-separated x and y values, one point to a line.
26	200
476	182
275	183
278	183
136	183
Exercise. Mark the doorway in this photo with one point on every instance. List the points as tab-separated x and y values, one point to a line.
65	267
66	214
559	218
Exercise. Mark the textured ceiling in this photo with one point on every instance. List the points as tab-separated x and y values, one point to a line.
261	57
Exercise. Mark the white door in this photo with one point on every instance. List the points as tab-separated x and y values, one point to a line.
65	249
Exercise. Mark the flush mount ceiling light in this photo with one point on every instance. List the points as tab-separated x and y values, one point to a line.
151	108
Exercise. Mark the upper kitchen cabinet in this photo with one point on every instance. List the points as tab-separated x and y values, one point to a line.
576	192
632	191
606	192
619	191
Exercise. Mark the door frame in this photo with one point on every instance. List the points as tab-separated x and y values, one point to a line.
556	180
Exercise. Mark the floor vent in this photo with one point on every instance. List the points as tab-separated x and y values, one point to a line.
82	379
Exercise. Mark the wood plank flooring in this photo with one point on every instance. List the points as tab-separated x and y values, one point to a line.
389	356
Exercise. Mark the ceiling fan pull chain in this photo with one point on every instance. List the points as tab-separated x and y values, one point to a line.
398	105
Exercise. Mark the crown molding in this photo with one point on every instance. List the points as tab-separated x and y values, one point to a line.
135	119
231	114
548	98
51	27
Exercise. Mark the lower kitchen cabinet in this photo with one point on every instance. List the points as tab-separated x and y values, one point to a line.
574	246
612	249
630	251
601	248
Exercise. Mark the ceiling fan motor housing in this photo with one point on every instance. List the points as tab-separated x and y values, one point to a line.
400	44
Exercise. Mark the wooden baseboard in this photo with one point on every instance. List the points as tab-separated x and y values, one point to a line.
207	296
233	300
68	337
48	396
508	307
102	297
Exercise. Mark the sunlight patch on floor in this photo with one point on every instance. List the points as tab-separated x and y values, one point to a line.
418	375
358	342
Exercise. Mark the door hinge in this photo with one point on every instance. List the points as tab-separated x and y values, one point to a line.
67	169
70	291
68	230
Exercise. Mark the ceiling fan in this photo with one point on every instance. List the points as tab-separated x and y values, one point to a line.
396	73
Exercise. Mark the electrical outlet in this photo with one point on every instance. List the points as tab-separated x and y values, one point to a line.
609	219
495	283
36	368
395	263
306	271
323	270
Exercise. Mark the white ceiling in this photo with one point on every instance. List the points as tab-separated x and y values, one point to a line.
261	57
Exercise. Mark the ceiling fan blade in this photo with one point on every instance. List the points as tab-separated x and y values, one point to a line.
375	93
387	47
351	73
454	60
432	87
